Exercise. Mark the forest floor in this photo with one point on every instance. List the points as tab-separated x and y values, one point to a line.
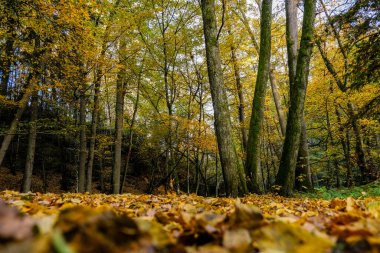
69	222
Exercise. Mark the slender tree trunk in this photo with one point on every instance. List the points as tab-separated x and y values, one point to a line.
131	132
276	96
27	178
8	59
102	188
286	174
6	67
277	102
94	125
30	83
350	180
231	165
331	143
240	94
119	114
359	150
253	149
83	143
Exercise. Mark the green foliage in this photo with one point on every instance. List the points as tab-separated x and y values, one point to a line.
369	190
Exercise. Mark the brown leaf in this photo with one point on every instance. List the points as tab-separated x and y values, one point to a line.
247	216
237	239
13	225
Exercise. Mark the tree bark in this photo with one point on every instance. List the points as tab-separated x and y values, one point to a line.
240	95
359	150
6	66
276	96
119	114
131	131
286	174
277	102
30	83
27	178
83	143
231	165
95	111
253	167
303	171
94	125
345	147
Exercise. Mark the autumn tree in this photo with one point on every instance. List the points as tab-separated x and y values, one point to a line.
253	148
359	39
231	164
286	174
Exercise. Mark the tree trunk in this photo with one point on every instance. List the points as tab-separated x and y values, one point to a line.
277	102
231	165
240	94
83	143
350	180
286	174
276	96
131	132
119	114
6	66
253	149
359	150
30	83
303	175
27	178
94	125
303	171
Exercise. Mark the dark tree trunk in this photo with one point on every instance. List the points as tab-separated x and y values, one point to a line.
82	144
231	165
286	174
30	83
253	167
6	66
94	125
359	150
27	178
119	114
131	132
277	102
303	171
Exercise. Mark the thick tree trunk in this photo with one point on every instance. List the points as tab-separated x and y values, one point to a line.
231	165
83	143
253	167
292	38
27	178
286	174
303	171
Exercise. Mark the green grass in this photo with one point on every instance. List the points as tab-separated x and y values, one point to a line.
368	190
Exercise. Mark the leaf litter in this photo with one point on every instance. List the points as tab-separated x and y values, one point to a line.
76	223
